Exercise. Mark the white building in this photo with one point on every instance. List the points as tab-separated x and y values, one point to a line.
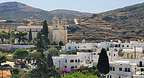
70	62
83	46
70	46
126	68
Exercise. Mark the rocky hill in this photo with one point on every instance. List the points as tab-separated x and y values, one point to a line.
91	28
126	23
62	13
20	11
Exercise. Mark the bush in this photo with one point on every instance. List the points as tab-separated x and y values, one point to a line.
79	75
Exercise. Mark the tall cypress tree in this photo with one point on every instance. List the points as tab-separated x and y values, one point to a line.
45	28
45	34
30	35
39	42
45	67
103	63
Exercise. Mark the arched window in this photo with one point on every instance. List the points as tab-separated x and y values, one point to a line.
140	64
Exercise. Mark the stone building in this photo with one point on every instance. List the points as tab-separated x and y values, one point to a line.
58	30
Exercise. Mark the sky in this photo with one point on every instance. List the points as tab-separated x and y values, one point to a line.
93	6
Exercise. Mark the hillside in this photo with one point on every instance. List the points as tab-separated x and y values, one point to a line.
20	11
127	21
62	13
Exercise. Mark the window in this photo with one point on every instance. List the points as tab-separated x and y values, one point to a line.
65	66
110	68
122	45
118	45
140	64
66	61
78	60
71	61
120	69
110	76
69	48
128	69
75	60
113	68
114	55
119	76
72	67
125	69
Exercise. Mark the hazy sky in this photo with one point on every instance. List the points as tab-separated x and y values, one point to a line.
94	6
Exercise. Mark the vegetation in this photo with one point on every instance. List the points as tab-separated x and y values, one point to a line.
79	75
4	35
45	34
53	51
61	44
21	36
44	66
2	58
103	63
20	54
30	36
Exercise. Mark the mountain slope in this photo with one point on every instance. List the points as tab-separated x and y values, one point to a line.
127	21
20	11
69	13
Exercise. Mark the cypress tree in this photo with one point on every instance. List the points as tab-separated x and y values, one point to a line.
45	67
45	34
39	42
61	43
103	63
30	35
45	28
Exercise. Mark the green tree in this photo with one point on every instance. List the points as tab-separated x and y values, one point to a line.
40	42
54	43
20	54
4	35
45	28
45	67
61	44
45	34
2	58
30	35
53	51
21	36
79	75
103	63
44	63
12	37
